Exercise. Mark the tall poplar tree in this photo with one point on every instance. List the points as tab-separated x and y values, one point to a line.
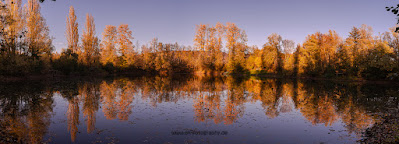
90	43
71	33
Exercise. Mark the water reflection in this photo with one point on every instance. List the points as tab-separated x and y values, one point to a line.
25	114
27	109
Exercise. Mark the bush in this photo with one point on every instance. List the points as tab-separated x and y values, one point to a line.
20	65
67	63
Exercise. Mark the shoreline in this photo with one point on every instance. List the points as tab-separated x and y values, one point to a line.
259	76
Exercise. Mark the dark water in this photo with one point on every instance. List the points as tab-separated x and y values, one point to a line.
190	110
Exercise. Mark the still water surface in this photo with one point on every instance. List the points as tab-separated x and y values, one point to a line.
190	110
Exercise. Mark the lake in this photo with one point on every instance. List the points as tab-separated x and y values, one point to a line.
186	109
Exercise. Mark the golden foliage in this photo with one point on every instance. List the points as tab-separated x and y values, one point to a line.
72	34
90	42
108	48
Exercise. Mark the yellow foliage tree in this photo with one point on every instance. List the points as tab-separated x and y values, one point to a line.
90	42
108	46
271	56
236	44
15	28
37	36
72	34
126	47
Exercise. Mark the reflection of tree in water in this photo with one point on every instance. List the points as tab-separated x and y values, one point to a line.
317	106
287	103
319	110
25	113
267	93
355	119
207	102
26	109
353	113
39	117
128	90
207	107
90	96
234	104
326	103
319	103
108	96
117	98
70	92
157	90
165	89
73	117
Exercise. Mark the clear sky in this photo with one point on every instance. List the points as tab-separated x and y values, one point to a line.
174	20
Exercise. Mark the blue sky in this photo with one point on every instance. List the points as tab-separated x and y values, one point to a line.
174	20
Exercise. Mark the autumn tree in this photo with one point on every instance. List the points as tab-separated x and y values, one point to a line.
200	42
68	60
211	48
90	56
71	33
125	45
236	44
319	52
162	58
14	32
108	45
148	54
343	61
219	58
200	37
330	45
271	57
358	43
288	56
380	62
4	23
296	55
254	61
288	46
208	41
39	42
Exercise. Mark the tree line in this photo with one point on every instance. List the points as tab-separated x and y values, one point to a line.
26	48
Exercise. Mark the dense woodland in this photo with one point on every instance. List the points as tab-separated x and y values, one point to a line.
26	49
